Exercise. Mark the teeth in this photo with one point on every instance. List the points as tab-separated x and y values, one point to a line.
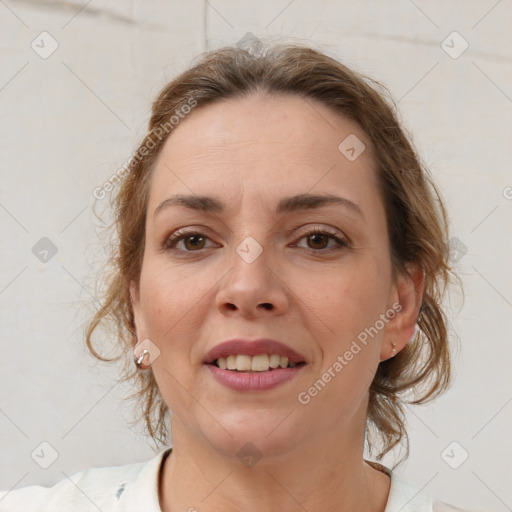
243	362
259	363
274	361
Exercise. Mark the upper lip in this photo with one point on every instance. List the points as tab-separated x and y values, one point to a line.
254	347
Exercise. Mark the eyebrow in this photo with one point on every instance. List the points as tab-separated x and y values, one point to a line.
295	203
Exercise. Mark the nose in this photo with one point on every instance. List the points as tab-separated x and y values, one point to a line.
253	288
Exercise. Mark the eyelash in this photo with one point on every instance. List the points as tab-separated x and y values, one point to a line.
181	234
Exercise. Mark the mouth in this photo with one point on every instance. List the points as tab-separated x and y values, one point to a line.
242	363
256	355
257	365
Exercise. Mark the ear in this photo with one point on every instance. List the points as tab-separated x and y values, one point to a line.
408	292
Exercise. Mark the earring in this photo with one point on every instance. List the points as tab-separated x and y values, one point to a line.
145	344
393	349
138	360
140	352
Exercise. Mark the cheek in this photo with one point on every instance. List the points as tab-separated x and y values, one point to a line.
346	298
349	301
172	309
347	304
170	301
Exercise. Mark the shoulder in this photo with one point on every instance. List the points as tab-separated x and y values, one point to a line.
407	497
116	488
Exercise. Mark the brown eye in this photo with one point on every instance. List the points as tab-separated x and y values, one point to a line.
186	241
195	242
318	241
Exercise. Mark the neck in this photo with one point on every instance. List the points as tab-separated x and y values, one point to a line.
313	476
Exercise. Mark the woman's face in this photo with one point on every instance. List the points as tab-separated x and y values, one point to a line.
252	268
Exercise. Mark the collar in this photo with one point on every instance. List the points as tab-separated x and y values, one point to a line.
143	494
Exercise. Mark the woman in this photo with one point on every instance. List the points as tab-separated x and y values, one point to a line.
277	282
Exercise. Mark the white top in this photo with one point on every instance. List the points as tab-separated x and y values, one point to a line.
134	487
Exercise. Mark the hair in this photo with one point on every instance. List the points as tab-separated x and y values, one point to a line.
415	215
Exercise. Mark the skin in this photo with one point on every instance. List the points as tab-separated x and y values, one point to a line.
250	153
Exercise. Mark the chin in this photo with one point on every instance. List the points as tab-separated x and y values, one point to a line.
254	433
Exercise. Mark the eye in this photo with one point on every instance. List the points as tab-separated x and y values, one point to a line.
318	238
192	240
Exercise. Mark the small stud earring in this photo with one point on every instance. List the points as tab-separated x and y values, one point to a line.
393	349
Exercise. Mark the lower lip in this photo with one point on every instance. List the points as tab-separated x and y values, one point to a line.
256	381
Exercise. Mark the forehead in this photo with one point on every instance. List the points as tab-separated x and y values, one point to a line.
262	144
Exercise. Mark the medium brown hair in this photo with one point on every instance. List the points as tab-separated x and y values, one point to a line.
416	220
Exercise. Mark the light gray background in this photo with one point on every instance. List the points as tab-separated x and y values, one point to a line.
69	121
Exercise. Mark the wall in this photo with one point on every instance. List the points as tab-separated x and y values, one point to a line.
72	117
